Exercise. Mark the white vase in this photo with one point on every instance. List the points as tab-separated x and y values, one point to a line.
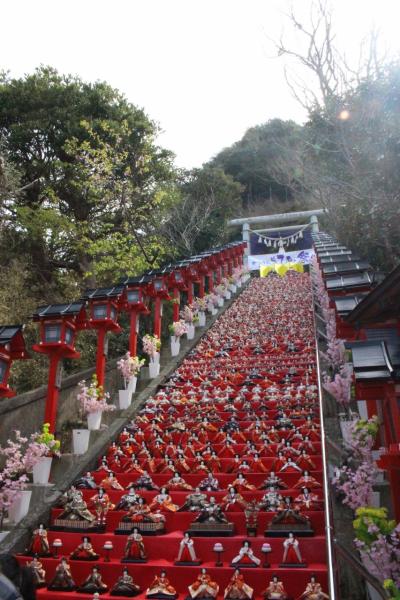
80	440
238	284
20	507
233	288
190	331
94	420
375	499
202	318
227	295
125	398
175	346
345	427
154	369
156	358
362	409
214	311
41	471
220	302
132	384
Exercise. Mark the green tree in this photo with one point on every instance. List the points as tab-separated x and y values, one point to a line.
91	166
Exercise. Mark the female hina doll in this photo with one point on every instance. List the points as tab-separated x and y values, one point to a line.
275	590
241	484
308	481
304	461
62	580
134	548
306	500
163	502
313	591
233	500
291	551
177	483
187	552
125	586
93	583
141	513
246	556
237	589
160	587
102	504
84	551
39	544
38	573
204	586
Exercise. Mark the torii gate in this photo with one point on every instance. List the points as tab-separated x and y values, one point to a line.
245	222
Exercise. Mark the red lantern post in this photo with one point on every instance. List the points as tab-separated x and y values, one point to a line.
59	324
12	347
135	302
104	304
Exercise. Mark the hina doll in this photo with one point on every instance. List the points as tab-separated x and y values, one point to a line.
233	500
84	551
241	484
102	504
237	589
187	552
39	544
256	465
110	482
308	481
93	583
163	502
304	461
141	513
246	556
273	481
275	590
291	550
143	482
306	500
134	548
160	587
271	500
201	468
38	573
194	502
211	513
289	466
125	586
313	591
128	500
204	586
62	580
178	483
75	508
86	482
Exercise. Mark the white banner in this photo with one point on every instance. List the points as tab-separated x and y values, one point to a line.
256	261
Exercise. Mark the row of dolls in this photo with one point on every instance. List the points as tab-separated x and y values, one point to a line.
75	508
204	587
210	483
135	550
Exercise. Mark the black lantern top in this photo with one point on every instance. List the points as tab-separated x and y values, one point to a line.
378	357
12	341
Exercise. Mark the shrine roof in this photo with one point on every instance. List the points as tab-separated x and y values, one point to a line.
381	304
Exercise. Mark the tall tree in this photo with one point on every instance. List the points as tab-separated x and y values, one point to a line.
91	166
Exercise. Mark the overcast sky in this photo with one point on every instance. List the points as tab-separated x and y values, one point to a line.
202	68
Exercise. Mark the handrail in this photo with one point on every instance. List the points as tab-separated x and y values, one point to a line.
361	570
328	516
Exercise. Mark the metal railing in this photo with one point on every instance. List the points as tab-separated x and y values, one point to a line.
359	567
